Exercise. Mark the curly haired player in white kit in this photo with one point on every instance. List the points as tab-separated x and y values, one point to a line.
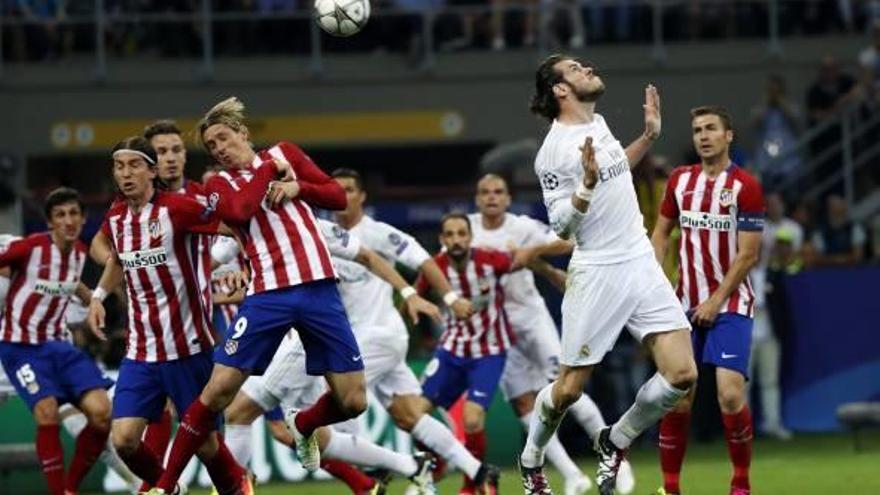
614	280
533	362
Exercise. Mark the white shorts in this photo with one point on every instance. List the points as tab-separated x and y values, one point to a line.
6	388
534	361
600	300
285	382
385	367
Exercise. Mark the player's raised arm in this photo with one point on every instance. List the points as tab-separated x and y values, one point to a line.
413	302
100	250
653	124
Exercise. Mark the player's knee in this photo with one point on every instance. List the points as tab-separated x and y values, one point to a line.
567	396
46	412
731	401
684	377
99	415
473	424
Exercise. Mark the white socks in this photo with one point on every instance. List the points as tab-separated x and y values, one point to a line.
437	437
544	422
587	414
238	440
655	398
557	455
361	452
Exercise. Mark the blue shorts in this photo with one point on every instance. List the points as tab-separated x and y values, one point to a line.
52	369
726	344
314	309
274	415
448	376
219	320
142	388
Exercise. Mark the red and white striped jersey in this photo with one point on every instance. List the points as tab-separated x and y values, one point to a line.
203	243
43	281
710	212
157	248
487	332
284	245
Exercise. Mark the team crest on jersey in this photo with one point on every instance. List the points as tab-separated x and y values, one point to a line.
231	347
550	181
585	350
155	228
725	197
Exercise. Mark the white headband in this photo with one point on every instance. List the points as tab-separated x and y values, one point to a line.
136	152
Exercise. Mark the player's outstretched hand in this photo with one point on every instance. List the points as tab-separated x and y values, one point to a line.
521	257
96	318
653	123
281	191
588	160
416	304
462	308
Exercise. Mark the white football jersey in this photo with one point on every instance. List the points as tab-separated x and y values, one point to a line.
612	230
517	231
368	299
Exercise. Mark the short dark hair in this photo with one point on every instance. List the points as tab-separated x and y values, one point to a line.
349	173
60	196
544	102
455	215
137	143
165	126
720	111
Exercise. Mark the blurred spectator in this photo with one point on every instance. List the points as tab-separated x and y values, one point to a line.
839	241
42	37
618	28
766	357
563	18
827	98
178	38
501	11
776	122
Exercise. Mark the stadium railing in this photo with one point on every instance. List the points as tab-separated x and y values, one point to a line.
669	21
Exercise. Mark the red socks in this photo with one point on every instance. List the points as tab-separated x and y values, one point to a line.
225	472
51	457
674	429
738	432
158	435
324	412
89	444
198	422
145	465
476	445
356	480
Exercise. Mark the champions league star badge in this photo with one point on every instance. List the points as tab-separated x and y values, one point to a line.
725	197
550	181
231	347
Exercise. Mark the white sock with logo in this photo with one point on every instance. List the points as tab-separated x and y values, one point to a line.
437	437
556	454
361	452
542	427
655	398
239	440
587	414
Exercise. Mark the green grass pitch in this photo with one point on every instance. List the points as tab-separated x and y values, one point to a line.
805	466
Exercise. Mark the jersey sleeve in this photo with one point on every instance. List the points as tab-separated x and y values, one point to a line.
750	207
17	253
558	183
316	187
237	199
340	242
500	261
669	207
189	215
398	246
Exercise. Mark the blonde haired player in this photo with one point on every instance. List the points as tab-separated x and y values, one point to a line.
614	280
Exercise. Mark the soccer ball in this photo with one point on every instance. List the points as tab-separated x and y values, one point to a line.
342	17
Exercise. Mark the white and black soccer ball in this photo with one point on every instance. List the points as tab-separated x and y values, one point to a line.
342	17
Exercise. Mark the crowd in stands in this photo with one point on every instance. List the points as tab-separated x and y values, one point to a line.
40	29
